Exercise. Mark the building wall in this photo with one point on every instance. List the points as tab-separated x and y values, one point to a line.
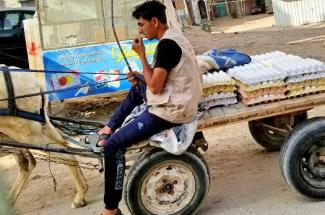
182	12
28	3
196	11
9	3
239	9
268	6
17	3
298	12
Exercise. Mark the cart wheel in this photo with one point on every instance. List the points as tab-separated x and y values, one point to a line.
166	184
302	159
271	132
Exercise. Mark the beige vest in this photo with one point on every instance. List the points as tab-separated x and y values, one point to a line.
182	92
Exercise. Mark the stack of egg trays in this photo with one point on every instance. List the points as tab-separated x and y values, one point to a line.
257	83
218	90
304	76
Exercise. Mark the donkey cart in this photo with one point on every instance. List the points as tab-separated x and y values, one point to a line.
158	182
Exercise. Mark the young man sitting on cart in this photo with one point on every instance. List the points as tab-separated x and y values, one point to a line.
171	88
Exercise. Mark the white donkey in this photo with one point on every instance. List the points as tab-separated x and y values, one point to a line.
33	132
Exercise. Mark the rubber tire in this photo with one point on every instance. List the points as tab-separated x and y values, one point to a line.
264	140
153	158
291	154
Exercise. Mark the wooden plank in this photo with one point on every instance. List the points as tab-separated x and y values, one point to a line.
229	110
206	116
241	107
34	50
275	104
257	107
216	112
299	102
240	112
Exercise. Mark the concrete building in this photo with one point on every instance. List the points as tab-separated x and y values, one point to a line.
27	2
16	3
298	12
268	6
196	11
9	3
201	11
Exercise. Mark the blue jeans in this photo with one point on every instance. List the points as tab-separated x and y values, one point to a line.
142	127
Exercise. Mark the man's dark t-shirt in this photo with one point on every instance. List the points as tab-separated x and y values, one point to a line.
168	54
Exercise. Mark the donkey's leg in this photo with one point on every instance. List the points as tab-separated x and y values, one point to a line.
78	177
34	132
26	163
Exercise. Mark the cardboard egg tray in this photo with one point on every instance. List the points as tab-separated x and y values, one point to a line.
306	90
245	87
219	95
261	92
305	77
263	99
218	89
298	85
218	102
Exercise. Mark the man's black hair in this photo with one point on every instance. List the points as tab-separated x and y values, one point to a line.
150	9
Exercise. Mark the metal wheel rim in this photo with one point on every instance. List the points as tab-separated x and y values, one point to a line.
312	165
168	188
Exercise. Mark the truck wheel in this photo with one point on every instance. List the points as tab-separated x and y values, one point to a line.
302	159
166	184
272	138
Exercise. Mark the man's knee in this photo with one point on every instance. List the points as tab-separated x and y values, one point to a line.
109	150
112	145
113	153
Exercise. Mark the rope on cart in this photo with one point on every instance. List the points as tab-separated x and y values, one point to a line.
59	90
44	157
6	69
117	39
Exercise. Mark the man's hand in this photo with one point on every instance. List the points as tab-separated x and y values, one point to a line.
133	78
104	130
138	46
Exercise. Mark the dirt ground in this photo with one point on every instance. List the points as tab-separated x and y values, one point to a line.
245	179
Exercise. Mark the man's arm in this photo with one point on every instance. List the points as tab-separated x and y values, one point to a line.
135	77
155	78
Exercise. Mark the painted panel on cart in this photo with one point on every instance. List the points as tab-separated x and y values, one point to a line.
99	59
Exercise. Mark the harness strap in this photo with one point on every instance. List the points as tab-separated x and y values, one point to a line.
4	112
13	110
31	116
26	115
42	110
12	106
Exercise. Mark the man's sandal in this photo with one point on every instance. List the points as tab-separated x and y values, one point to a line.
93	140
118	212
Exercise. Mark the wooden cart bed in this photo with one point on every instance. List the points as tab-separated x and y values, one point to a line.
236	113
